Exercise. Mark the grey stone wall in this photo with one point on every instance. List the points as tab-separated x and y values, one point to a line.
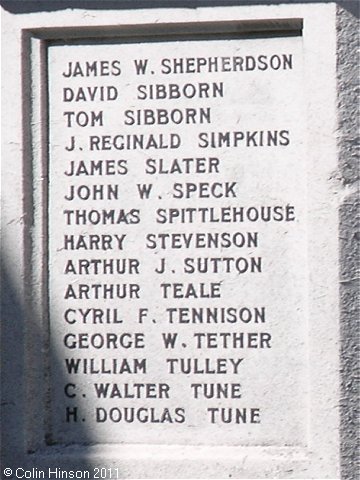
348	138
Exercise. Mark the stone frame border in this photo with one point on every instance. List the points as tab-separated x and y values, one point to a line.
32	273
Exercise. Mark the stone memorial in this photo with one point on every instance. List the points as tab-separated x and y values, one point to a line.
173	186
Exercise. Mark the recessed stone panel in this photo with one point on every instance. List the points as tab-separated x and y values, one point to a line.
173	220
177	241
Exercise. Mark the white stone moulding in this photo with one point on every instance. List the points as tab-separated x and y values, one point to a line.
26	149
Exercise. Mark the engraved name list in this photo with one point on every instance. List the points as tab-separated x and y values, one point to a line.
177	241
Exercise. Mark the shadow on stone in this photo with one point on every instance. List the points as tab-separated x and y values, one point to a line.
24	440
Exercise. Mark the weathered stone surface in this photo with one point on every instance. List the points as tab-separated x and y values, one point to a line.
172	303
